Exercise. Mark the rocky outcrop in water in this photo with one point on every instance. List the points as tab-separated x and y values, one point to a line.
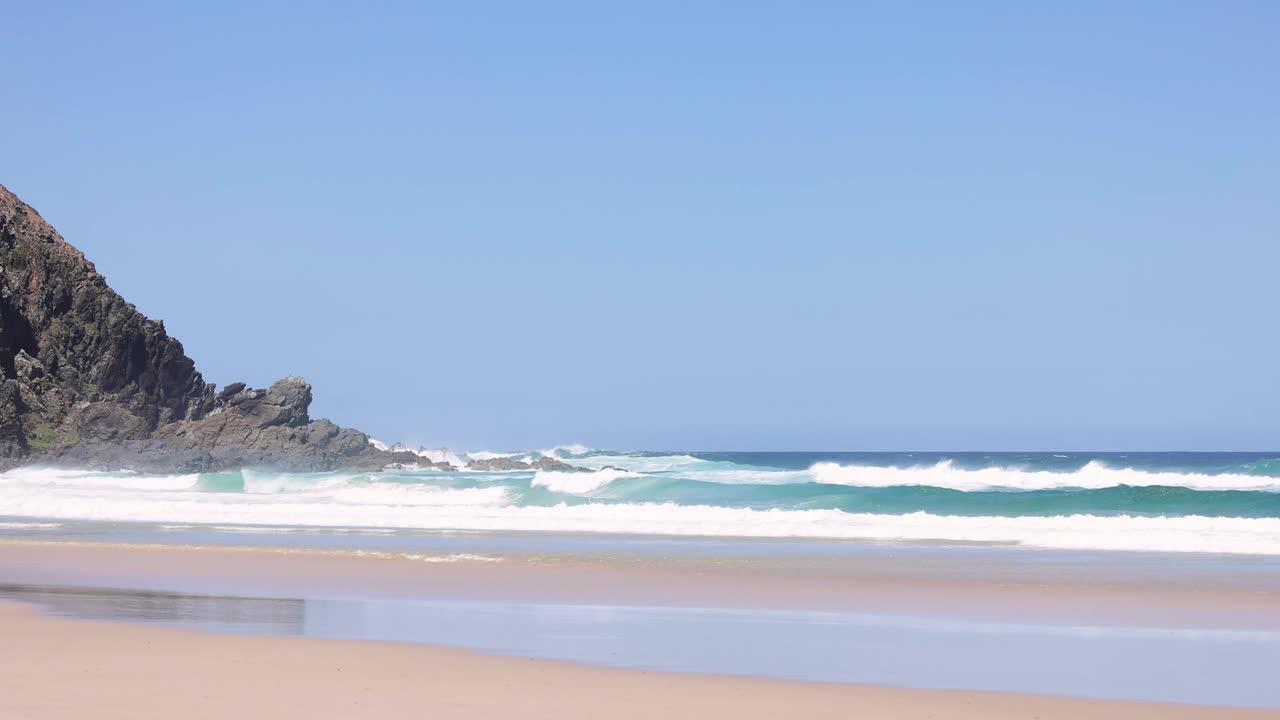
544	464
498	465
87	380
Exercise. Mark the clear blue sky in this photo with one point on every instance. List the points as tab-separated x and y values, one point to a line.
734	225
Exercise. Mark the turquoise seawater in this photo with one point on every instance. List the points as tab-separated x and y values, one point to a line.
1234	485
1205	502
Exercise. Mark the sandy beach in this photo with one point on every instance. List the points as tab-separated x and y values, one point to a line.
54	668
621	361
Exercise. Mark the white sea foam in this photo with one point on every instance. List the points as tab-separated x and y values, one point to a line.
1092	476
688	467
452	558
562	451
481	509
264	483
487	455
53	477
731	474
379	444
421	557
362	502
578	483
420	496
441	455
355	489
945	474
29	526
645	463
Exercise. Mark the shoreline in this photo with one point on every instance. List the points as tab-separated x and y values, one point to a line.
876	582
77	668
995	622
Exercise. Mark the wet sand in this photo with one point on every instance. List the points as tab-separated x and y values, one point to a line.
877	584
55	668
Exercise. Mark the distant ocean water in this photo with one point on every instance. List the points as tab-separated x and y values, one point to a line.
1179	502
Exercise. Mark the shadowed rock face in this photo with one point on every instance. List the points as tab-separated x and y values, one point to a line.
87	380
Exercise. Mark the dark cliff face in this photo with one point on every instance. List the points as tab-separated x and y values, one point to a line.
67	342
85	379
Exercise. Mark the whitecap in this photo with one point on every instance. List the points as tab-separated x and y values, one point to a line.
1167	534
563	451
1094	475
578	483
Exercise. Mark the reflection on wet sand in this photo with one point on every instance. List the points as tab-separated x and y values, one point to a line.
267	616
1221	666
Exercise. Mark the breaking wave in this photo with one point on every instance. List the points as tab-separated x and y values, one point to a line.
1093	475
578	483
1156	502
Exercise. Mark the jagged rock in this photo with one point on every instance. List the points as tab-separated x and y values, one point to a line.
26	368
87	380
548	464
229	392
284	403
545	464
13	444
107	422
497	465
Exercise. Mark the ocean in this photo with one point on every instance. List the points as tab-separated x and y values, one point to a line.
1137	501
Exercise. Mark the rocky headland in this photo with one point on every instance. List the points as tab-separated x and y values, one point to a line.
87	381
